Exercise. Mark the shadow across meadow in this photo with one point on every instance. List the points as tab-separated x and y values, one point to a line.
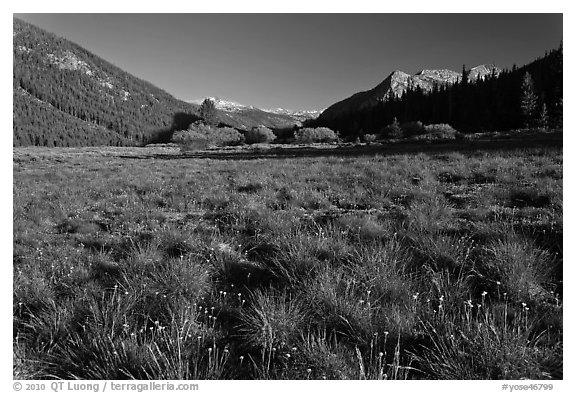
543	140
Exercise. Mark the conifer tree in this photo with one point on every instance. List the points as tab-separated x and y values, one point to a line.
208	112
528	100
543	117
394	130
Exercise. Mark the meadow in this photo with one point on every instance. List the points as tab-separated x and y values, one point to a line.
149	264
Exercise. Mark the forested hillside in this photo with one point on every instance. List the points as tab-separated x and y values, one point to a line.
521	97
67	96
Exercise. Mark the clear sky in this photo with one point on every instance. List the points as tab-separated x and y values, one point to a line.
299	61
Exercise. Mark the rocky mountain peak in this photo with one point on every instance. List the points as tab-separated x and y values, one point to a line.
398	82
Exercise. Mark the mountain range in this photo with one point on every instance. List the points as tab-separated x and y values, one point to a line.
398	82
247	116
485	99
63	95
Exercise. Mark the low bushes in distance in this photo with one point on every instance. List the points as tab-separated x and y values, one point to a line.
412	128
259	135
201	136
369	138
315	135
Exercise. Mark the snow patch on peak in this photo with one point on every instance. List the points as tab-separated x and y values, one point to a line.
399	73
441	75
483	70
232	106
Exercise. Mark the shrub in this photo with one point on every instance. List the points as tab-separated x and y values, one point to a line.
312	135
200	136
225	136
369	138
440	131
413	128
259	135
190	140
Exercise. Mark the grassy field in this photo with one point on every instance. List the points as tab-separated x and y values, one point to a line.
142	263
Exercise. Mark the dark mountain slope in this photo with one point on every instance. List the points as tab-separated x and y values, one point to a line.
397	83
40	124
88	101
491	103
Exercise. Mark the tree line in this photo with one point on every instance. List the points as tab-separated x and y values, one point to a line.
530	96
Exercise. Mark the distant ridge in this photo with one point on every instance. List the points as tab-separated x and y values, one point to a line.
246	116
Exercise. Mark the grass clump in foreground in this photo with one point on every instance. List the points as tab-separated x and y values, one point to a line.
445	266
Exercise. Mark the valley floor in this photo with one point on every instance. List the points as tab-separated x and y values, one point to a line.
146	263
